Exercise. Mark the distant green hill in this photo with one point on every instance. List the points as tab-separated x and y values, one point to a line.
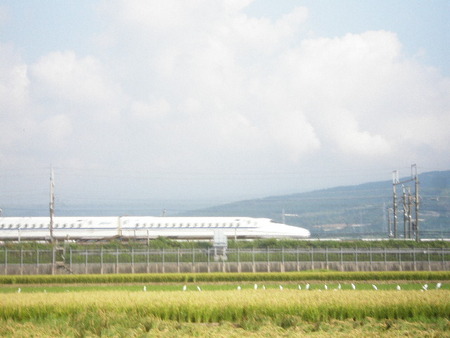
350	211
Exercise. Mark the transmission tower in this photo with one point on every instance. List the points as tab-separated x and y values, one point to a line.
410	226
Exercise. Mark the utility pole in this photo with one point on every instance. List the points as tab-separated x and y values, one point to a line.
410	226
410	201
395	181
390	234
52	205
405	213
417	201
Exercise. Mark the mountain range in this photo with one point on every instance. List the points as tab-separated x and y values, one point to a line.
352	211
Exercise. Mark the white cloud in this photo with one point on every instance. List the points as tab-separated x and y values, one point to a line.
201	86
63	76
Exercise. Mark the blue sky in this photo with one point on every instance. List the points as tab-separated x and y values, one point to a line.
218	101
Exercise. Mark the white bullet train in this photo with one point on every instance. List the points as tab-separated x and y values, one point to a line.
96	228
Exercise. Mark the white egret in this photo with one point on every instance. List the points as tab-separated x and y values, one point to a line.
255	286
145	288
398	287
374	287
281	288
184	287
353	286
438	285
307	286
198	288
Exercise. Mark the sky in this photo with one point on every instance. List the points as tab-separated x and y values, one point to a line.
203	102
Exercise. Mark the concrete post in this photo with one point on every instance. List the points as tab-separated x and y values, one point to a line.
117	260
193	260
132	260
147	269
253	260
178	259
239	261
86	265
163	261
53	260
101	260
37	261
21	261
209	258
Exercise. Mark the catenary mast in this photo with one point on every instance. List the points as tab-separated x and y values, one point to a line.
52	204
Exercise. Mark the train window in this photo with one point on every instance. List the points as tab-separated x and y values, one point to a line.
25	226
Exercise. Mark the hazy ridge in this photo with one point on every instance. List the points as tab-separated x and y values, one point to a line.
350	210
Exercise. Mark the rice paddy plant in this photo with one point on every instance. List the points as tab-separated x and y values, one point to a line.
99	309
226	277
